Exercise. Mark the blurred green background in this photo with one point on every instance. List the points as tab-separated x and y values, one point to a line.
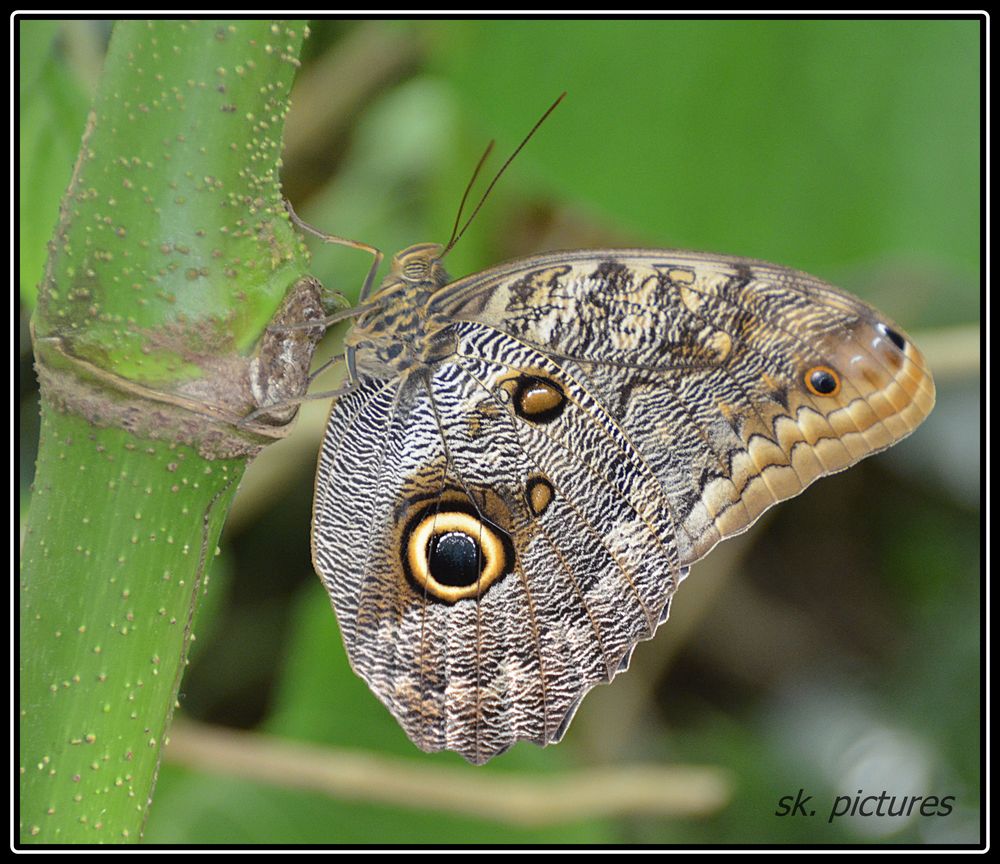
833	648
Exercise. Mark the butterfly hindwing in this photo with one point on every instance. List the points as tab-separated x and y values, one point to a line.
571	566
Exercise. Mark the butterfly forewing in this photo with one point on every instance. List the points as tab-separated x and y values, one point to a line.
703	362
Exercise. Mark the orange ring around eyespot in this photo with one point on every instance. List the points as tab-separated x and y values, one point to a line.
812	389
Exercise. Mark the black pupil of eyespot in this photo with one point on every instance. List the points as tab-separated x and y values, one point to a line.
893	336
823	382
454	559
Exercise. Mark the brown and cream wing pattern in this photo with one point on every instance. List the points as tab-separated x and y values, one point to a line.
500	525
739	381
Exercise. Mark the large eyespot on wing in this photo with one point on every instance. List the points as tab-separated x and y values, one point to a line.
739	382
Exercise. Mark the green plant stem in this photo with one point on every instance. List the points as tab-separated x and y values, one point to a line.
106	614
172	254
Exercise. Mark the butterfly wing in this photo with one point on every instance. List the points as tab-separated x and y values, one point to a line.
498	530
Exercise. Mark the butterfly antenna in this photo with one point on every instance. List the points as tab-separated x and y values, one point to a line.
468	189
455	237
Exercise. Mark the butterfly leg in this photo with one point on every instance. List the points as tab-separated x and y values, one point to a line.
319	370
343	314
326	322
342	241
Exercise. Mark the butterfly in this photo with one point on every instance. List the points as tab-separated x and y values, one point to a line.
529	460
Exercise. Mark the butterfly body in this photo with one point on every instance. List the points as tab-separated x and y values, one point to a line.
533	456
399	333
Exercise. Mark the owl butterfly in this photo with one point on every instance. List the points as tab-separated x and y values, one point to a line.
529	459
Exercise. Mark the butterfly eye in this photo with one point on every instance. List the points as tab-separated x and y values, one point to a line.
453	554
421	264
822	381
892	336
540	400
416	269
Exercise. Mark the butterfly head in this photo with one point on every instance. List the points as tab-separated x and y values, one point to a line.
418	266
